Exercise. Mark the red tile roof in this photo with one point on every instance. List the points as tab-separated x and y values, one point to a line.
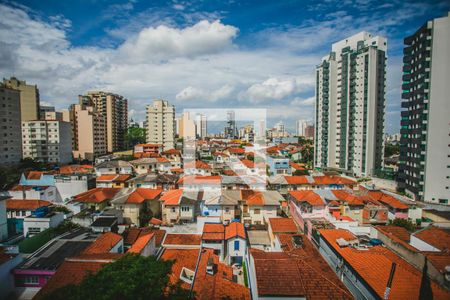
435	236
183	258
296	179
155	221
219	285
25	204
257	199
131	235
332	179
387	200
97	195
307	196
198	165
172	197
141	243
141	195
351	199
172	152
234	229
28	187
198	179
283	225
397	234
162	160
103	244
236	150
213	231
149	145
73	169
374	266
106	177
297	166
122	178
182	239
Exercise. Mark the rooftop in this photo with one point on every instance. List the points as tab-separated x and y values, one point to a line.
104	243
182	239
435	236
283	225
25	204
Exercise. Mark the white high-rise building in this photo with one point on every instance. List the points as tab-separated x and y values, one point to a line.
47	141
424	164
301	127
280	127
350	105
161	124
201	126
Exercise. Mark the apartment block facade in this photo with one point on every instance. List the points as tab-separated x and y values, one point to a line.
115	110
201	126
10	140
350	106
29	98
47	141
424	165
160	123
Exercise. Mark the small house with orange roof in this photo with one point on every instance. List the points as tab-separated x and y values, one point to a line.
196	167
221	157
97	198
114	167
174	156
152	149
144	245
366	269
137	204
258	207
112	180
179	205
235	152
200	182
147	165
18	210
36	192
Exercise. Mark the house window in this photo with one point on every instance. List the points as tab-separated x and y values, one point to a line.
23	213
173	209
185	208
227	209
34	230
257	211
31	280
236	245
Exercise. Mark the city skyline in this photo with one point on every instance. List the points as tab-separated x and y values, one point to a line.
115	55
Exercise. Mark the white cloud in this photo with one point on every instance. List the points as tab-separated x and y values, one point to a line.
303	102
192	93
165	42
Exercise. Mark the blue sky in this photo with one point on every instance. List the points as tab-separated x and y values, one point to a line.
198	54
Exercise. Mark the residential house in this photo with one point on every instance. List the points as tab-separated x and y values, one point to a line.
147	150
151	164
200	183
197	167
114	167
223	204
35	192
182	241
179	206
145	245
220	157
365	269
235	243
71	184
258	206
96	199
154	181
306	182
138	204
234	152
18	210
280	226
40	221
278	165
292	274
254	182
174	156
112	181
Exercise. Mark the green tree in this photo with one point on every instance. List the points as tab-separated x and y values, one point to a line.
391	149
405	223
130	277
135	135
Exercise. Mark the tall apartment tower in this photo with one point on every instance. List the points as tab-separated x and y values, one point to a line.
201	126
424	170
187	126
115	109
350	104
231	129
29	98
10	126
160	122
300	127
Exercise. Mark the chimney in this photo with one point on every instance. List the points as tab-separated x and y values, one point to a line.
210	266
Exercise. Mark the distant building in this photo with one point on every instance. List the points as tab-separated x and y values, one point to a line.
115	110
201	126
424	145
29	98
88	129
230	130
10	126
187	126
350	104
309	131
47	141
161	124
43	109
300	127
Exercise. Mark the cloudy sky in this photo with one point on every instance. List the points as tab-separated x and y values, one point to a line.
198	54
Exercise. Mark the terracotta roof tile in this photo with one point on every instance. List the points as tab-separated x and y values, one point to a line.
219	285
283	225
234	229
387	200
374	265
213	231
182	239
436	237
106	177
236	150
199	180
97	195
25	204
172	197
141	243
307	196
183	258
297	166
103	244
296	179
141	195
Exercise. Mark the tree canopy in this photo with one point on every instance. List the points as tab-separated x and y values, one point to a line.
130	277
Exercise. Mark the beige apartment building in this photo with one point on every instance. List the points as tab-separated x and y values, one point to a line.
187	126
10	140
161	124
47	141
89	131
115	110
29	98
